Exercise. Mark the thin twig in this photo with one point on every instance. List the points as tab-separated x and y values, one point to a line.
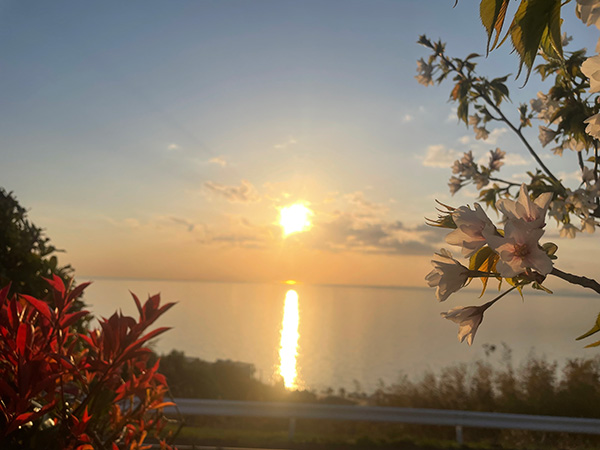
576	279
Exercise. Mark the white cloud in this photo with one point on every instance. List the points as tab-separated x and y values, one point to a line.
440	156
514	159
173	147
570	176
464	139
244	193
219	161
283	145
495	134
452	115
407	118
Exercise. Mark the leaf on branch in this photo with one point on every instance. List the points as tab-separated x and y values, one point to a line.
550	248
492	14
533	19
593	330
485	261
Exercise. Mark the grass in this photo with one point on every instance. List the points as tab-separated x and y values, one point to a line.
339	435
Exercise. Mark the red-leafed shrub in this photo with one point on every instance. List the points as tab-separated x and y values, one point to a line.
61	388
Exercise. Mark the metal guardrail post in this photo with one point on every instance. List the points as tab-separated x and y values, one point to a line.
459	435
292	429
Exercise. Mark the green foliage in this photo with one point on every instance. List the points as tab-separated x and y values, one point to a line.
228	380
536	387
536	25
26	255
592	331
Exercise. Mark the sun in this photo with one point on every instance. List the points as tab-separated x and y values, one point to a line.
295	218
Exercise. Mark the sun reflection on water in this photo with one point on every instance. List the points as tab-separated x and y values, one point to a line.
289	340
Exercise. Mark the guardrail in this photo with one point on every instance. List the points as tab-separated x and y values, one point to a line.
458	419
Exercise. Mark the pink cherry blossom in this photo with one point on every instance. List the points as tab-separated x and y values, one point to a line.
591	69
519	250
470	226
448	275
532	213
468	319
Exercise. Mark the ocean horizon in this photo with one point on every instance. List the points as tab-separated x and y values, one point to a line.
348	336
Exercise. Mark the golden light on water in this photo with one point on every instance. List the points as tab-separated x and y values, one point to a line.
289	340
295	218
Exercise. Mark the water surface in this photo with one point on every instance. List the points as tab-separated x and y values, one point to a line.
348	335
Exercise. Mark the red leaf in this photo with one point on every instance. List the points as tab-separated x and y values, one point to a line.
56	283
138	304
17	422
23	336
76	292
4	294
40	306
70	319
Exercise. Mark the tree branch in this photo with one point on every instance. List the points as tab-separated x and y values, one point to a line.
576	279
525	142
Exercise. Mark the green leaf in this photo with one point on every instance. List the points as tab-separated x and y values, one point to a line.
593	330
532	19
550	248
484	260
492	14
477	260
540	287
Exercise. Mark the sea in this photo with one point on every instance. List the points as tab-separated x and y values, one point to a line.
350	337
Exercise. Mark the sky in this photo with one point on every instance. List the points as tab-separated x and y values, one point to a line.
155	139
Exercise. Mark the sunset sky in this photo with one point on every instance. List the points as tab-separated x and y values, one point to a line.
159	139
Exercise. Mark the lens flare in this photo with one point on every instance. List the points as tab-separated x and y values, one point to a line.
288	349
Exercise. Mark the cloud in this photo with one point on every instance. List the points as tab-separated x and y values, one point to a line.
495	134
186	223
283	145
452	115
219	161
173	147
570	176
244	193
346	232
440	156
407	118
464	139
364	226
514	159
241	232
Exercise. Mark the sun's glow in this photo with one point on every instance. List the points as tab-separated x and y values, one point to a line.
288	349
295	218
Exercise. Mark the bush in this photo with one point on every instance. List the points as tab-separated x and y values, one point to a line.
61	388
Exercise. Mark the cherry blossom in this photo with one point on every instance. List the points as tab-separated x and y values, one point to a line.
593	128
448	275
519	250
454	185
425	73
470	226
589	12
546	135
468	319
568	231
591	69
546	108
481	133
496	157
588	225
533	213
